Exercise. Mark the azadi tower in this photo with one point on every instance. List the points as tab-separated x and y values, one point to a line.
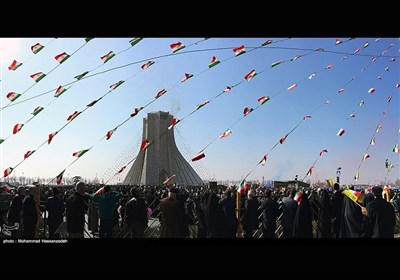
162	159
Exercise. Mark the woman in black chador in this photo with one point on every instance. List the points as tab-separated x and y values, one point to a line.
324	216
303	220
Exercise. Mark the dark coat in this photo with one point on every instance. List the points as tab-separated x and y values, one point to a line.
171	218
352	218
230	219
289	208
30	216
55	207
15	211
251	213
136	212
215	217
382	219
269	207
337	204
324	216
302	227
76	207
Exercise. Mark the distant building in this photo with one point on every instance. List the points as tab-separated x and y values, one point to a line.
280	184
161	159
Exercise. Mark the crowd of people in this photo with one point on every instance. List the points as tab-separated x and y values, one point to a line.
202	212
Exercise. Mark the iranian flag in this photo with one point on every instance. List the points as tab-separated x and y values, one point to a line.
263	161
378	127
243	186
283	139
160	93
93	102
187	77
352	79
247	111
145	144
266	43
80	76
393	59
385	51
51	136
228	88
198	106
62	57
357	50
340	90
371	90
17	127
198	156
338	42
366	44
372	141
396	149
292	87
365	157
277	63
296	57
28	154
327	102
136	111
38	76
240	50
329	66
323	151
135	40
60	177
298	196
108	56
117	84
361	103
312	76
37	48
37	110
87	39
14	65
147	64
263	99
214	62
225	134
168	179
250	75
121	170
8	171
79	153
1	140
306	117
374	59
398	85
351	116
341	132
176	47
387	68
73	116
174	122
309	173
12	96
110	133
389	98
60	90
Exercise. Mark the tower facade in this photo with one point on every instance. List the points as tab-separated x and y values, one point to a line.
162	158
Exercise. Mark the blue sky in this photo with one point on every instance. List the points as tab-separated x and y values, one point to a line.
226	159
